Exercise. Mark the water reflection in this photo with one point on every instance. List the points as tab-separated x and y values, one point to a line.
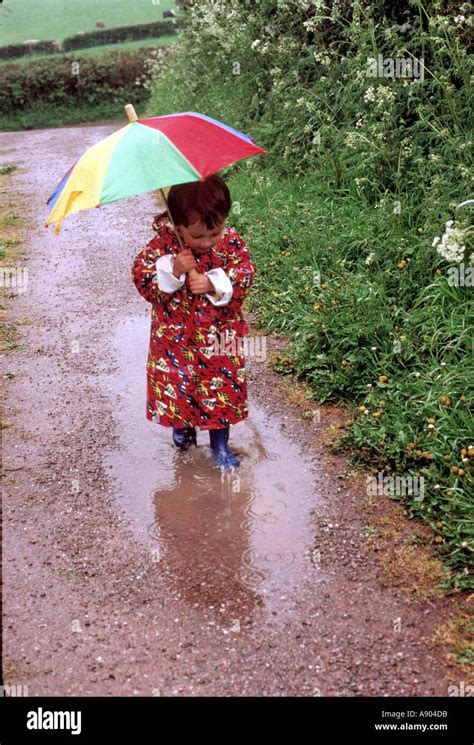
233	540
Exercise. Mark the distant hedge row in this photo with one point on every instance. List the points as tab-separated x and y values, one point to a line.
20	50
63	81
122	33
94	38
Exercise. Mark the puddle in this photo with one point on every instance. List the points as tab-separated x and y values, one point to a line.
233	541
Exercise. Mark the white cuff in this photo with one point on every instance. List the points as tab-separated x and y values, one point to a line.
223	286
167	282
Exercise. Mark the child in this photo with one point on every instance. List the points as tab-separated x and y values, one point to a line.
191	381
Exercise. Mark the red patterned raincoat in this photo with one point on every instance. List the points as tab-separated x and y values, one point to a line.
195	368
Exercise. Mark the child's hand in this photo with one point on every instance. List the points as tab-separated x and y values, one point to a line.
183	262
200	284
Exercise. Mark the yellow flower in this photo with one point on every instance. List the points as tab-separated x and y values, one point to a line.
377	414
439	539
402	264
383	378
431	421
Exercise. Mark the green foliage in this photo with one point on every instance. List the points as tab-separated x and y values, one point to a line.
64	89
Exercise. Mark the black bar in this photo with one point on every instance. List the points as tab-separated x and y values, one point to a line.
143	720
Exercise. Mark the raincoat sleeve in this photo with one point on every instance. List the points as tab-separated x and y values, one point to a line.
223	290
237	276
164	272
146	268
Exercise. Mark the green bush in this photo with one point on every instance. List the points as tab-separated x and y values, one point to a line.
68	82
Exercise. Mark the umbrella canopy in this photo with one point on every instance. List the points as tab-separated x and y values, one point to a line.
145	155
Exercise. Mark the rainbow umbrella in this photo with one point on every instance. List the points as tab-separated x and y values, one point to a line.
146	155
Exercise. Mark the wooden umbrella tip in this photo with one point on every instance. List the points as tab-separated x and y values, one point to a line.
131	113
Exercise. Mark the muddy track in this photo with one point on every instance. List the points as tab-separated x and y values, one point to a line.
131	569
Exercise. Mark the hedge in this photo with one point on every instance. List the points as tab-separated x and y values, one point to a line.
94	38
20	50
63	81
121	33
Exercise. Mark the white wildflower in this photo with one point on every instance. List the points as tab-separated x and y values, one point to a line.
351	140
369	94
379	95
450	246
323	59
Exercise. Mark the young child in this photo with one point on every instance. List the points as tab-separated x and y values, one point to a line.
196	369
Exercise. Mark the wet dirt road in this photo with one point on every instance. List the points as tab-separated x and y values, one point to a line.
133	569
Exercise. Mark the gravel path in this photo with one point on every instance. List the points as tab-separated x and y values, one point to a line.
132	569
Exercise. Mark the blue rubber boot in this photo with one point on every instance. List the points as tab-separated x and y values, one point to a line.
184	436
220	450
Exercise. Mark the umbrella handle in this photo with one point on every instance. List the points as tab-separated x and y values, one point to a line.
192	272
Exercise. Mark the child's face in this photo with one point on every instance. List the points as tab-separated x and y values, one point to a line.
199	237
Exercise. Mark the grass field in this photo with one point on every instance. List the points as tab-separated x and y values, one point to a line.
133	45
50	20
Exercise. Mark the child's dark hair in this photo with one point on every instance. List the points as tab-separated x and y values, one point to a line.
208	201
